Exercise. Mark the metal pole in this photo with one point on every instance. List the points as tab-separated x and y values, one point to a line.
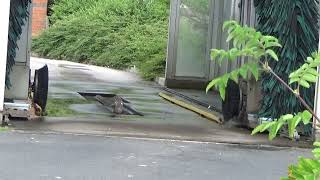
4	28
317	105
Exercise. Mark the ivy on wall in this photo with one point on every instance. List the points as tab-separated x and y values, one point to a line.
295	24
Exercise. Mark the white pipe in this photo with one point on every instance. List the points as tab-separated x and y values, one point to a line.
4	28
317	103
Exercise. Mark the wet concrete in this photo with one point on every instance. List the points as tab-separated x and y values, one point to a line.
162	119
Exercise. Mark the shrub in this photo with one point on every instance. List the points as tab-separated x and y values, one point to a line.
249	43
112	33
61	9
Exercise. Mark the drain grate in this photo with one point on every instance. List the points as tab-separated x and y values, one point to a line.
112	102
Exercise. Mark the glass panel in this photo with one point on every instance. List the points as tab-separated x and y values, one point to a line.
192	38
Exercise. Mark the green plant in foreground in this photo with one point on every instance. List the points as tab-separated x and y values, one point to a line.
306	169
247	42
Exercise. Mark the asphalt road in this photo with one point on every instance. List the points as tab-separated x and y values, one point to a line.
26	156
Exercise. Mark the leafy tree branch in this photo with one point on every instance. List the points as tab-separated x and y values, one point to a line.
247	42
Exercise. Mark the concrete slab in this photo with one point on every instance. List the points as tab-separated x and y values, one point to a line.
162	119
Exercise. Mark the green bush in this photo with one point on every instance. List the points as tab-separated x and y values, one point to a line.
113	33
61	9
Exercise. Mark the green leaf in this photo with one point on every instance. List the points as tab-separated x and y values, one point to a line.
279	126
306	164
212	84
244	71
292	124
230	37
258	129
309	59
294	75
229	24
215	53
233	53
235	43
296	172
223	55
225	79
251	43
304	83
293	80
273	131
316	153
305	66
309	177
310	78
247	51
255	71
267	126
313	71
269	39
306	117
317	144
222	91
234	75
272	44
312	165
287	117
272	54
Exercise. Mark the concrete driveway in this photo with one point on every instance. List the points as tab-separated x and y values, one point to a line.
162	119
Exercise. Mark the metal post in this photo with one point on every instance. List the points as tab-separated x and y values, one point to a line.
316	124
4	28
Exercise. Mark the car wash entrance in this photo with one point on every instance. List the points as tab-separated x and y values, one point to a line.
85	98
195	28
